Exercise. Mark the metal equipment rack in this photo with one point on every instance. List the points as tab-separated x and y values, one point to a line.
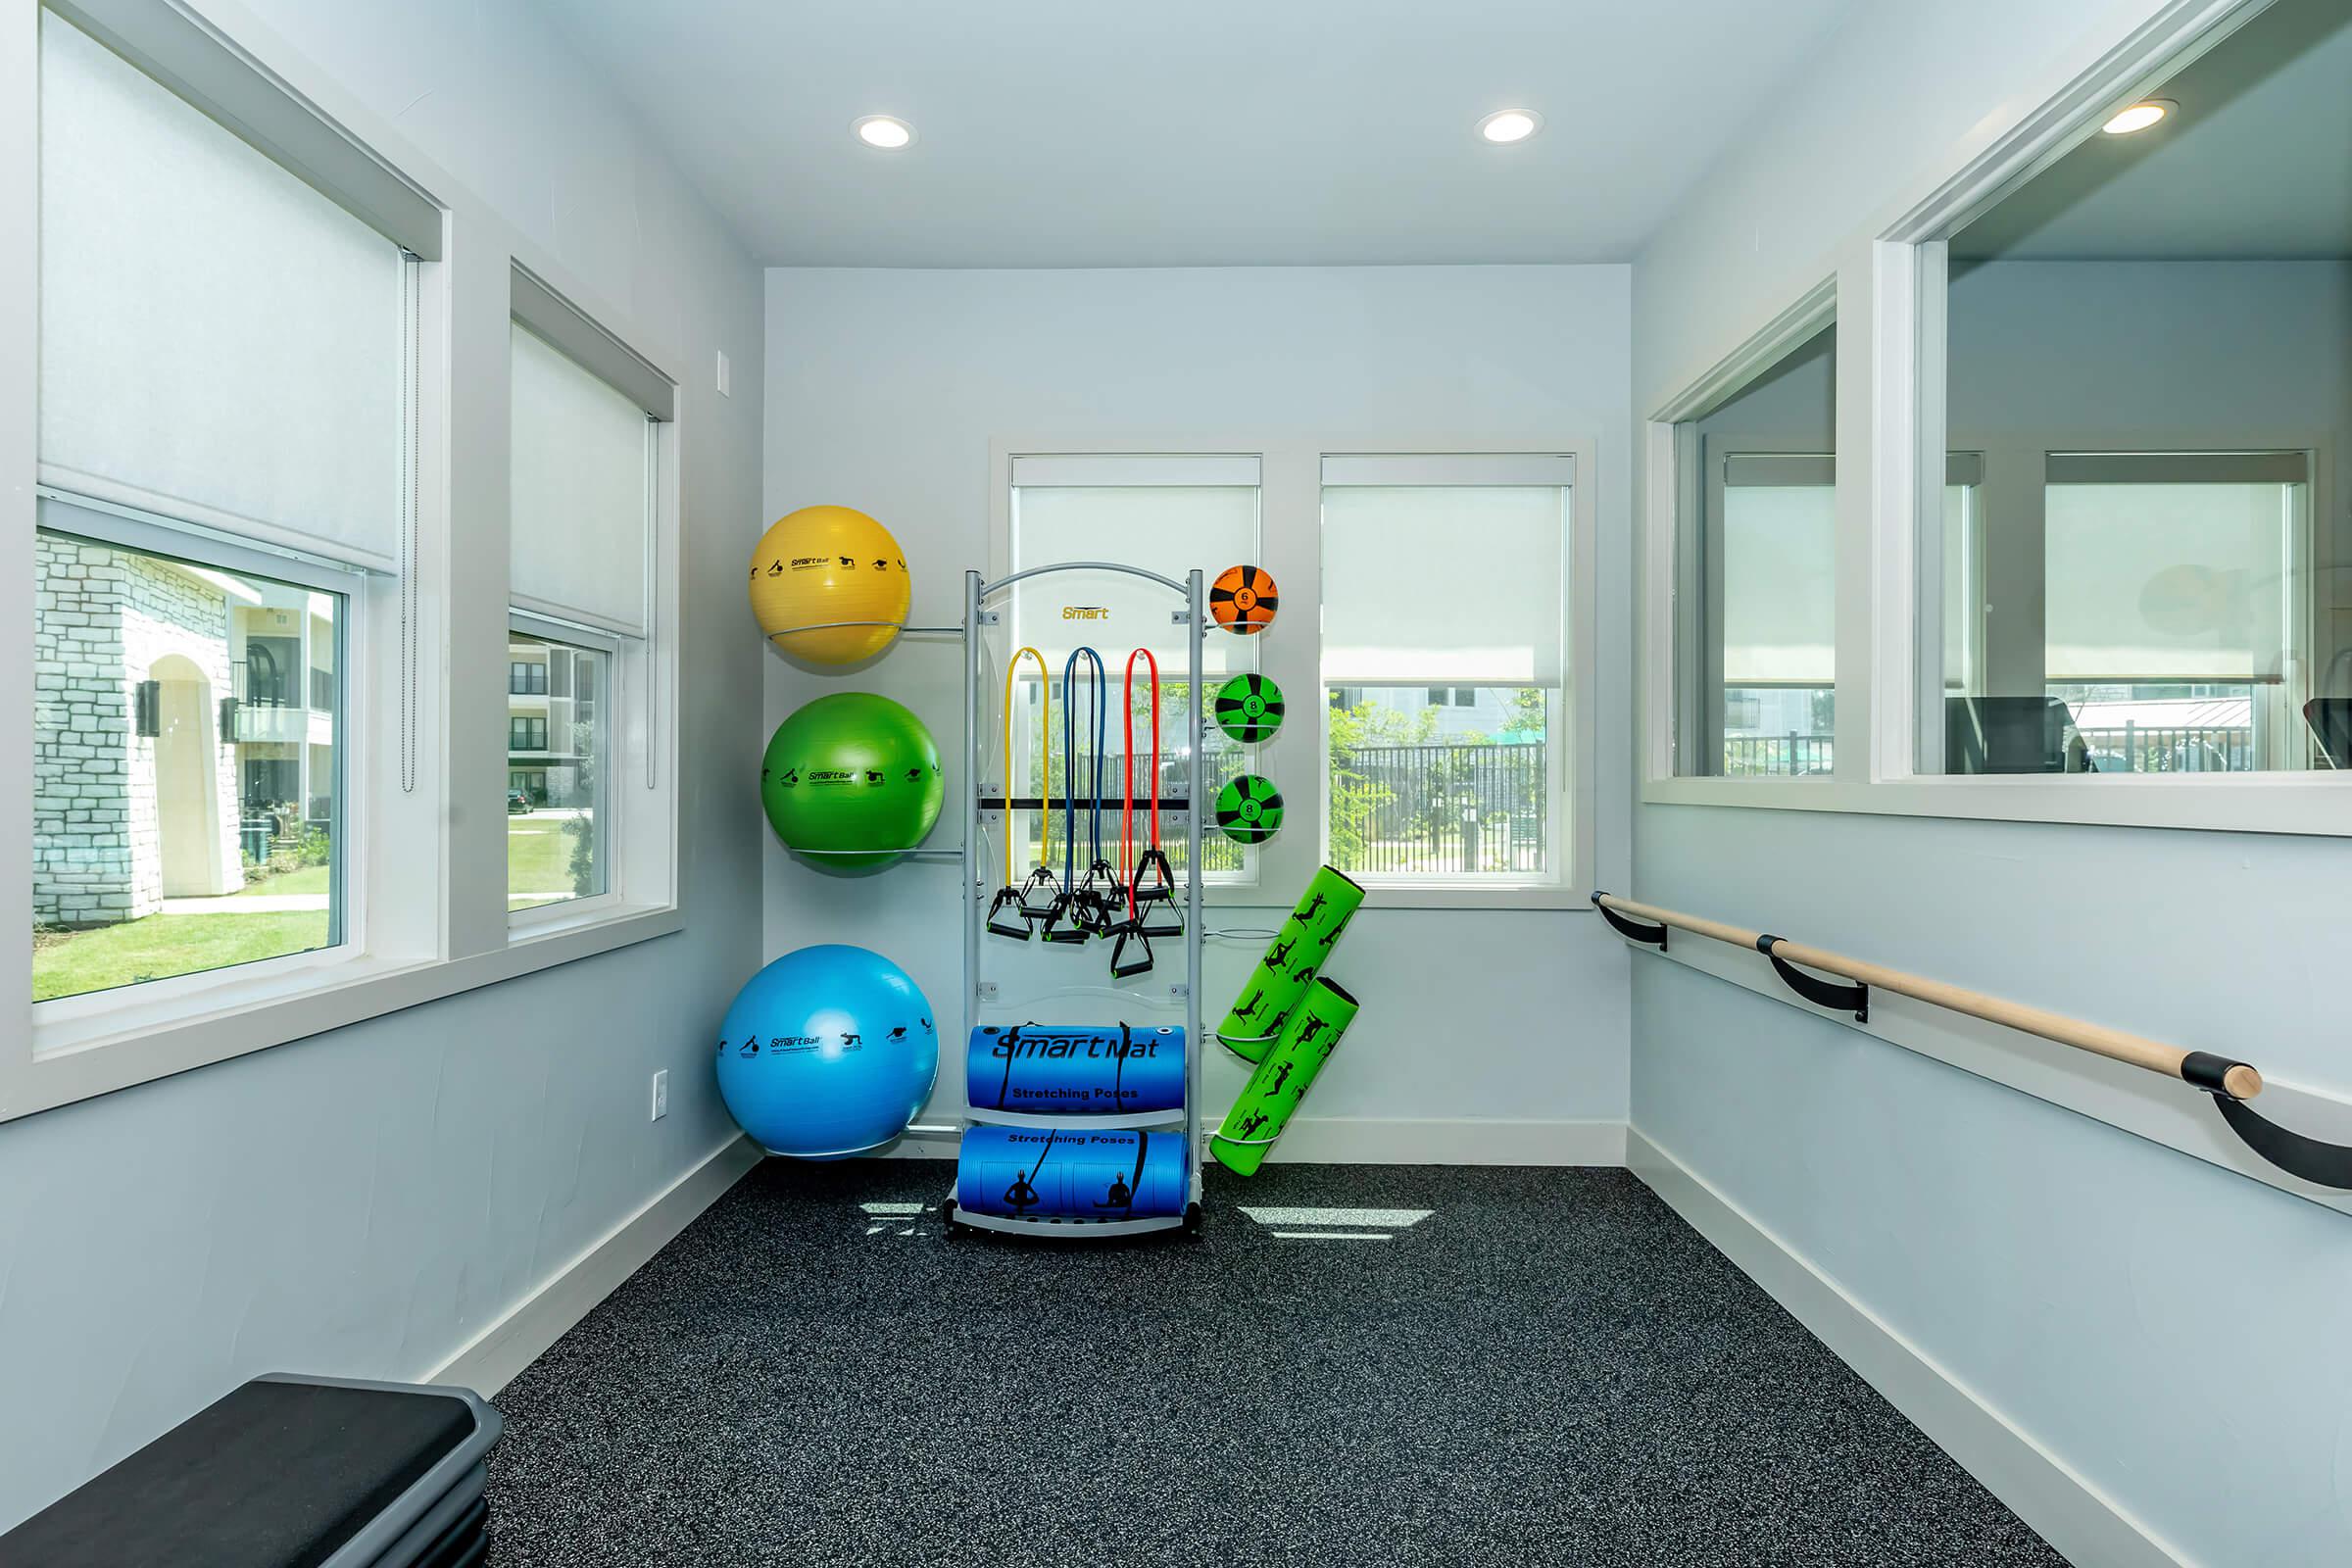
980	797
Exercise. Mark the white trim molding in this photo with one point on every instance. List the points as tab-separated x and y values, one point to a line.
490	1360
1399	1141
2071	1513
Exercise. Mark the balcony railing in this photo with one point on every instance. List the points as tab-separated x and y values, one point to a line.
2107	749
2171	748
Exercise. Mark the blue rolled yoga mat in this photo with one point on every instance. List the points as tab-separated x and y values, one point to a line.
1084	1071
1066	1173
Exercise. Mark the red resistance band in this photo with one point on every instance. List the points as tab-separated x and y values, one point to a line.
1127	807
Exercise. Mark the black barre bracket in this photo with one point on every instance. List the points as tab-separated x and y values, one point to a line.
1631	930
1853	998
2327	1164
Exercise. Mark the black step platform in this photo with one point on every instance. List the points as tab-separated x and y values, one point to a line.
286	1472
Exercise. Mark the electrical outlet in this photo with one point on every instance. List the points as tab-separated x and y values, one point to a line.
660	1095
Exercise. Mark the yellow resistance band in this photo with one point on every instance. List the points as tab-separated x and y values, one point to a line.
1044	781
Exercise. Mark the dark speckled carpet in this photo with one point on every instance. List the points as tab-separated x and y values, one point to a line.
1381	1366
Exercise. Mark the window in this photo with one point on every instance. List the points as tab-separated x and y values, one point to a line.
1756	557
201	831
586	455
555	849
221	447
2139	577
1169	515
1445	582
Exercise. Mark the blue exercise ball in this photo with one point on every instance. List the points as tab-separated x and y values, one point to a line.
828	1050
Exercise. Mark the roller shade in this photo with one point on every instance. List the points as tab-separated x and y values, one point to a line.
1459	584
1178	513
581	488
2168	580
219	341
1780	570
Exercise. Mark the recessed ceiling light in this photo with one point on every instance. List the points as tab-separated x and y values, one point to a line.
2139	116
1511	124
886	131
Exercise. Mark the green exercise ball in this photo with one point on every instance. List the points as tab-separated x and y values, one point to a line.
852	773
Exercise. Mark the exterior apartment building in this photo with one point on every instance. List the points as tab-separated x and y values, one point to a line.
186	721
551	721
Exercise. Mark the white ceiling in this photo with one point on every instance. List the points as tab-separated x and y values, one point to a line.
1120	133
2256	164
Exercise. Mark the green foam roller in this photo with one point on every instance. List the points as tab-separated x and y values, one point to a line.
1291	961
1266	1102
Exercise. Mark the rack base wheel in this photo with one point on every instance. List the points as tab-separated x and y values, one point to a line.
947	1216
1192	1221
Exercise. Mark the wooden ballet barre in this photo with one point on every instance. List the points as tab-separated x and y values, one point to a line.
2202	1068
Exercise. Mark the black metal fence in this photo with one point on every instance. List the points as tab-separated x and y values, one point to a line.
2104	749
1463	809
1789	755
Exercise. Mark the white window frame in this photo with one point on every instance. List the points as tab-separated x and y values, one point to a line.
357	730
1569	851
1291	652
425	909
1883	284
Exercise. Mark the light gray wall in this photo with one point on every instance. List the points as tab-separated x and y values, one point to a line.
367	1202
2078	1279
885	389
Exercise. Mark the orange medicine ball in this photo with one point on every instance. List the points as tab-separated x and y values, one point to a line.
824	565
1243	600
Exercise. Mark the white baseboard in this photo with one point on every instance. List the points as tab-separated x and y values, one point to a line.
494	1355
1399	1140
1450	1140
2084	1523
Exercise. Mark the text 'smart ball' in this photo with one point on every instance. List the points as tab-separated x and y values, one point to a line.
820	567
828	1050
849	779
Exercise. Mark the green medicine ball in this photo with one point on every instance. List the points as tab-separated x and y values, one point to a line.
853	771
1248	708
1250	810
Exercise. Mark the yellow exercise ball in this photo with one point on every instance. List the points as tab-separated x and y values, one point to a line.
824	565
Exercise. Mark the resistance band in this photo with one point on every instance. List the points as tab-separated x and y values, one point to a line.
1151	882
1075	915
1291	961
1265	1104
1014	909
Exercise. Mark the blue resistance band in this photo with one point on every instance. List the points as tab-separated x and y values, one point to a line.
1069	762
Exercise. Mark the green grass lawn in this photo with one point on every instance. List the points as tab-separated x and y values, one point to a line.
66	963
538	860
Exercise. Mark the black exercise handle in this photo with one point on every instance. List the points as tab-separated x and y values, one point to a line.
1853	998
1631	930
1018	924
1124	933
